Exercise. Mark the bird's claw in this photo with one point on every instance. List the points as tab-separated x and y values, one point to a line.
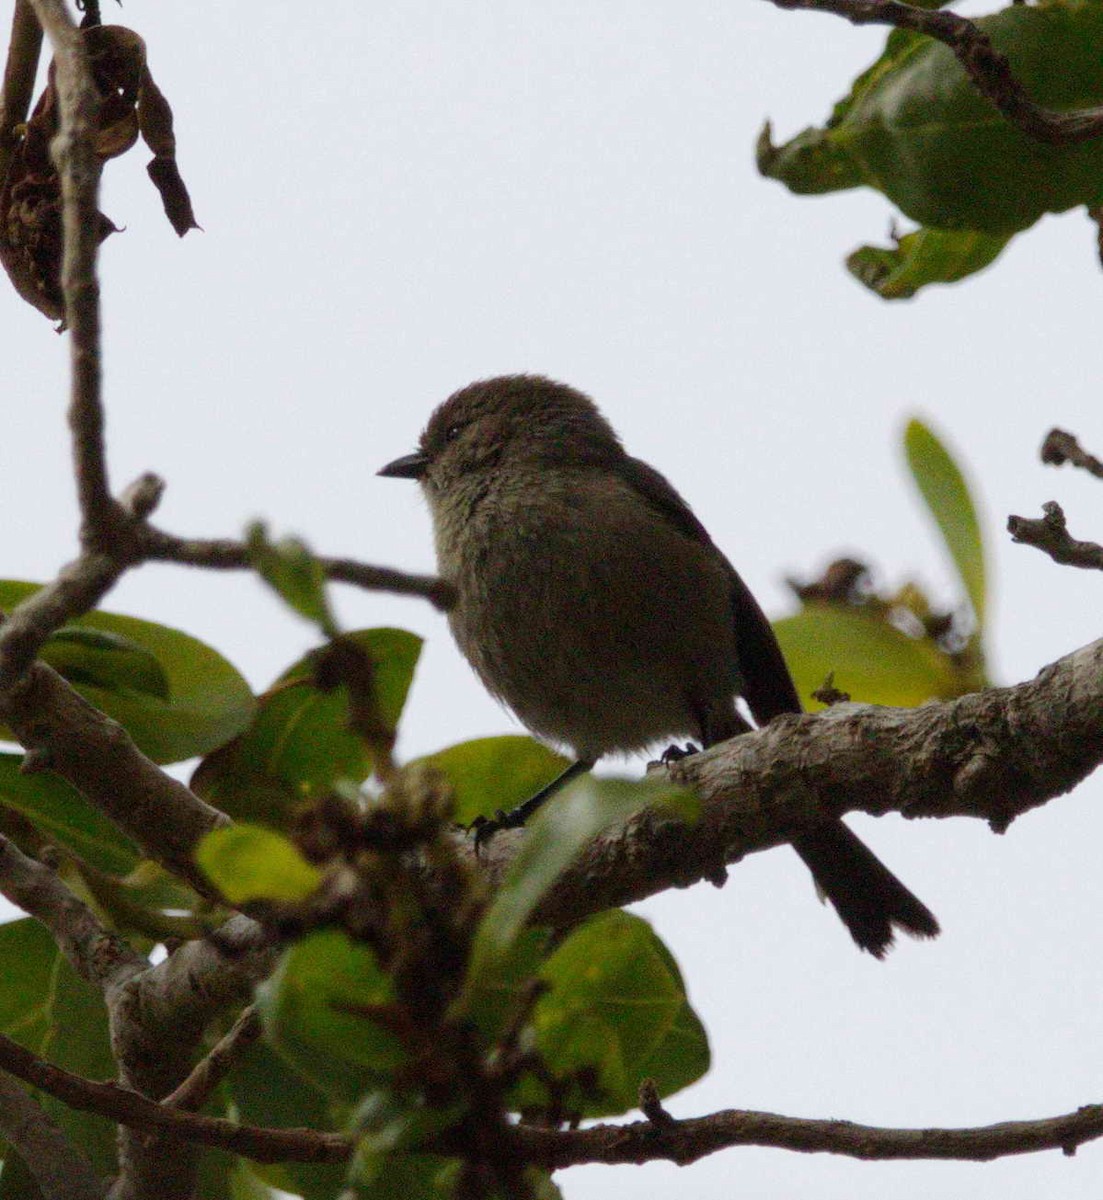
484	828
674	754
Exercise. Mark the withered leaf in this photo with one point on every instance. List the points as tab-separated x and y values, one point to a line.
31	243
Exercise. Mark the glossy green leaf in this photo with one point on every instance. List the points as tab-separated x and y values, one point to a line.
198	702
915	128
224	1176
299	743
266	1091
923	257
947	495
617	1003
383	1174
105	660
248	862
64	816
872	661
495	773
324	1010
294	573
46	1007
552	840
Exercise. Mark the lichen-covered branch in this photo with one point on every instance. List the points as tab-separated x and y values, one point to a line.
992	755
96	953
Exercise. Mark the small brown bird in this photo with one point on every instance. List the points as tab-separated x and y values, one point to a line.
593	603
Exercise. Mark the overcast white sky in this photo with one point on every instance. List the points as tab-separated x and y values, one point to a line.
398	198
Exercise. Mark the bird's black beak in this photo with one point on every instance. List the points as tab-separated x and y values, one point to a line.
409	466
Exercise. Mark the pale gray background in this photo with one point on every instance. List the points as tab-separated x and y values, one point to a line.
401	197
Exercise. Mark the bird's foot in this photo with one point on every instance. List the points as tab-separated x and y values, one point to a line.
484	828
673	754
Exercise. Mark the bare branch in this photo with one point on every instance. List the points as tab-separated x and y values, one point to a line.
95	953
224	554
988	69
686	1141
1061	447
207	1074
642	1141
136	1111
60	1169
79	171
1050	534
991	755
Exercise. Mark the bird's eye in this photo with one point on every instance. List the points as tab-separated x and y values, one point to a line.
452	432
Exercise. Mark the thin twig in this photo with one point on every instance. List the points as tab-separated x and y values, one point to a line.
19	76
638	1142
209	1072
61	1169
224	554
1061	447
1050	534
988	69
686	1141
79	169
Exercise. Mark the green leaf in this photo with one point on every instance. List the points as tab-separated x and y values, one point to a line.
65	817
400	1175
552	840
299	742
923	257
616	1003
947	496
266	1091
322	1011
294	573
223	1176
246	862
197	702
915	128
105	660
872	661
488	774
45	1006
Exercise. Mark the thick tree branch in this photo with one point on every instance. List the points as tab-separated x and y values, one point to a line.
1050	534
60	1169
991	755
97	954
65	734
983	63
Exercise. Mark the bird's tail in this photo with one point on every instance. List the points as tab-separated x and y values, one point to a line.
868	897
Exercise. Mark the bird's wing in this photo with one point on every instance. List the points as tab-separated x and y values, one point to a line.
768	687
